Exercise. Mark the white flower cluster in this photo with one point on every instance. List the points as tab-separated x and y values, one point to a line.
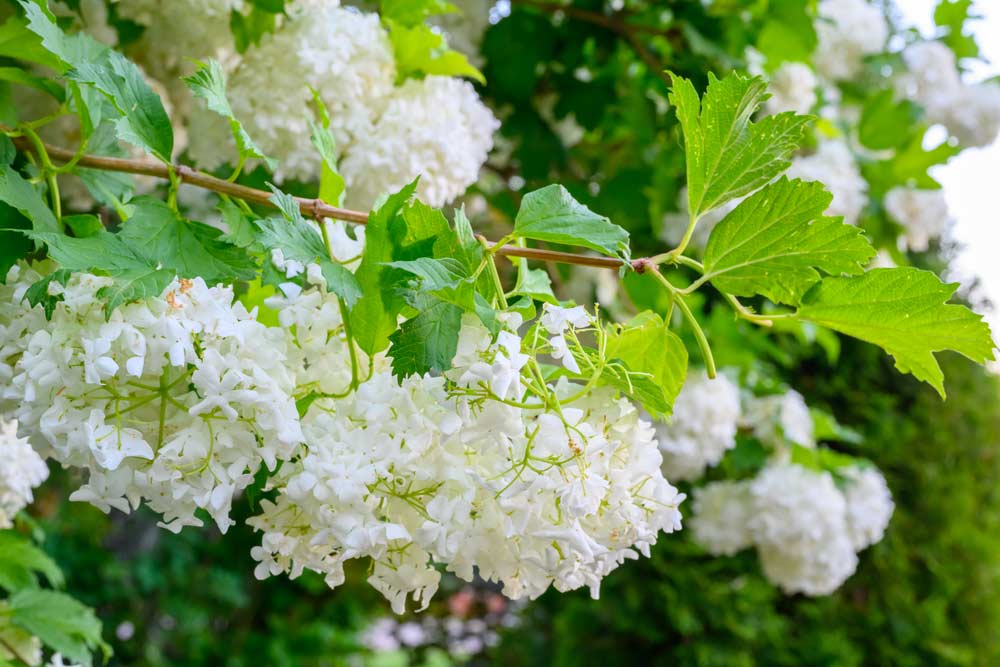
848	30
970	112
472	471
175	400
435	128
807	530
21	470
703	428
781	418
793	88
923	214
834	166
386	135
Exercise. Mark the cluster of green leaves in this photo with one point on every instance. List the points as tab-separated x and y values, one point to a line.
63	624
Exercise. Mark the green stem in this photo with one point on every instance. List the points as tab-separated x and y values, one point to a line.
494	274
345	316
48	171
699	334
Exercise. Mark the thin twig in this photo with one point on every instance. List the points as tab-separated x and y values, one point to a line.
315	208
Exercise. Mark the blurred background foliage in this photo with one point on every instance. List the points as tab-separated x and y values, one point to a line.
929	594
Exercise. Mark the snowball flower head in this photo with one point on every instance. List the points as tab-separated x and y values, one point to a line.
342	53
793	88
703	427
869	505
835	167
781	418
848	30
422	471
799	523
21	470
435	128
923	214
720	517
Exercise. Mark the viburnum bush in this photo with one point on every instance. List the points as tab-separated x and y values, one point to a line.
371	376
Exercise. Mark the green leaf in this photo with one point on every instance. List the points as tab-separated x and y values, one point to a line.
38	293
14	245
272	6
84	225
300	241
242	231
19	76
17	41
909	166
887	122
777	240
727	155
535	284
374	316
655	358
191	249
413	12
209	83
551	214
788	34
248	30
21	195
62	623
421	51
21	562
65	50
903	311
331	183
144	121
446	278
427	342
7	150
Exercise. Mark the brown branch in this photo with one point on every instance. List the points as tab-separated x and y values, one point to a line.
316	208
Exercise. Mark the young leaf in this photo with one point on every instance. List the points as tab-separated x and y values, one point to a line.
728	156
299	241
331	183
38	293
17	41
144	121
535	284
413	12
427	342
444	278
904	311
62	623
209	83
421	51
551	214
648	347
374	317
773	243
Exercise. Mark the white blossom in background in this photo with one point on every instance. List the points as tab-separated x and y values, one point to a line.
848	30
971	112
411	474
703	427
175	401
834	166
21	470
799	523
343	54
436	128
720	517
779	418
792	88
465	27
869	505
923	214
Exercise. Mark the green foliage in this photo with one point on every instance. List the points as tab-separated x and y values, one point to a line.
413	12
728	155
420	51
655	360
209	83
904	312
551	214
331	183
775	243
59	621
21	562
